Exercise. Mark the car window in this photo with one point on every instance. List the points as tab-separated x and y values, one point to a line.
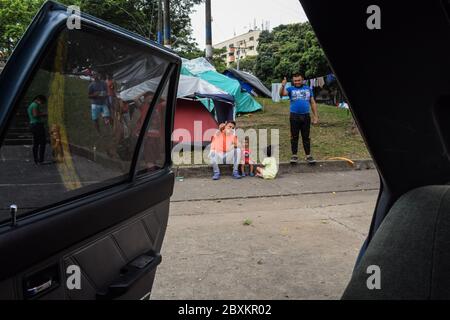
152	155
75	129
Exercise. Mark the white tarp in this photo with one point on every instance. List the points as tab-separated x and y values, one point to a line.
197	66
188	87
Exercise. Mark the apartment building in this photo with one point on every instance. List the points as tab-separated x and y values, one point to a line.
240	46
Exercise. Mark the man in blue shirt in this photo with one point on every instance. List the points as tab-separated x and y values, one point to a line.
302	103
97	93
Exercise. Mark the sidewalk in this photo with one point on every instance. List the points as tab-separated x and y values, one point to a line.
205	171
194	189
303	235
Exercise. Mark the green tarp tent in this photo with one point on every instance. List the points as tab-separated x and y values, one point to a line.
203	69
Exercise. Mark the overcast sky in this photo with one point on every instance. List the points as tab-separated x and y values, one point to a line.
230	16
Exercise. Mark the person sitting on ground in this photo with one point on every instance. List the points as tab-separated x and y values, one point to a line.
247	161
225	147
270	170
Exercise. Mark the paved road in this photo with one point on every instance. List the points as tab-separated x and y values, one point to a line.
305	233
30	186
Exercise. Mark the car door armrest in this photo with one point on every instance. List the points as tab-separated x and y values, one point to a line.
130	275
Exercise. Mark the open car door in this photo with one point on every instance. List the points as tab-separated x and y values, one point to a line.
85	178
392	61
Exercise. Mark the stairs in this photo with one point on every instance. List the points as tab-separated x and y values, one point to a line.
19	131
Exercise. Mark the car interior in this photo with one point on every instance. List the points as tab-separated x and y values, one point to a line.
114	212
396	79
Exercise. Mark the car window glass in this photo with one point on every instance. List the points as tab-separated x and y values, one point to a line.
75	128
153	153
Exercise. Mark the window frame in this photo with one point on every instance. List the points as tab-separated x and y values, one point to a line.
46	41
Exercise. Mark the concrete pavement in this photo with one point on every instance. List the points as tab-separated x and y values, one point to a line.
301	238
22	182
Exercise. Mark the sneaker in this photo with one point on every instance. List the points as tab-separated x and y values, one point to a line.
243	175
216	176
252	174
236	175
294	159
310	160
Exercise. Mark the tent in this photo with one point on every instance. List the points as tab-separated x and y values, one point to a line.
200	108
202	69
197	101
194	124
249	83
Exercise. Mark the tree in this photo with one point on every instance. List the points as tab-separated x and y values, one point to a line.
192	53
218	60
247	64
15	16
139	16
289	49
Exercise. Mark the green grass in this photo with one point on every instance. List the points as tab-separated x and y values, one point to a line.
76	108
80	127
335	136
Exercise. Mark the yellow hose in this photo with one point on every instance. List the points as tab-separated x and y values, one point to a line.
350	162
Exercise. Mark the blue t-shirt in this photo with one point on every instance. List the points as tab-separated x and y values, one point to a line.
100	88
300	99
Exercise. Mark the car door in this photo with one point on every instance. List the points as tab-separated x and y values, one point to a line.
392	61
374	53
86	114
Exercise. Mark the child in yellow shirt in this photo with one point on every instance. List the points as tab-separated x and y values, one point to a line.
270	170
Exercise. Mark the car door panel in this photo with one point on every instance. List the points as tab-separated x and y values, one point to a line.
100	258
8	290
78	220
113	228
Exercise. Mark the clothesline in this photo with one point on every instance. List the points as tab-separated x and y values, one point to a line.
320	81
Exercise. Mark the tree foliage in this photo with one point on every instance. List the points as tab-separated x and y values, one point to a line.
139	16
15	16
247	64
289	49
218	61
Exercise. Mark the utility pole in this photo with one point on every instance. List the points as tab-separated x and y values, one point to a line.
209	48
238	59
160	23
167	31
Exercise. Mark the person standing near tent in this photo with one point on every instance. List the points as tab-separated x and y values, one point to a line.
225	148
302	103
97	93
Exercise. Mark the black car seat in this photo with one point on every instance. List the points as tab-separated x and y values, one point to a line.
411	248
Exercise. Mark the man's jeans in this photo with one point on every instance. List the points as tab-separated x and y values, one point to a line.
231	157
300	123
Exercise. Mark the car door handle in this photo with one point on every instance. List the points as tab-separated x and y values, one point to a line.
130	275
40	288
41	282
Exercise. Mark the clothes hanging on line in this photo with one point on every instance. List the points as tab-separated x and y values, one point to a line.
320	81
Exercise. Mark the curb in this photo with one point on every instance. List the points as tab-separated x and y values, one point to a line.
205	171
98	157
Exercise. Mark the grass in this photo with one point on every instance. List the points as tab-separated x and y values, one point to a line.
335	136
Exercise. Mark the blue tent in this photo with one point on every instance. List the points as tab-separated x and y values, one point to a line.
249	83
